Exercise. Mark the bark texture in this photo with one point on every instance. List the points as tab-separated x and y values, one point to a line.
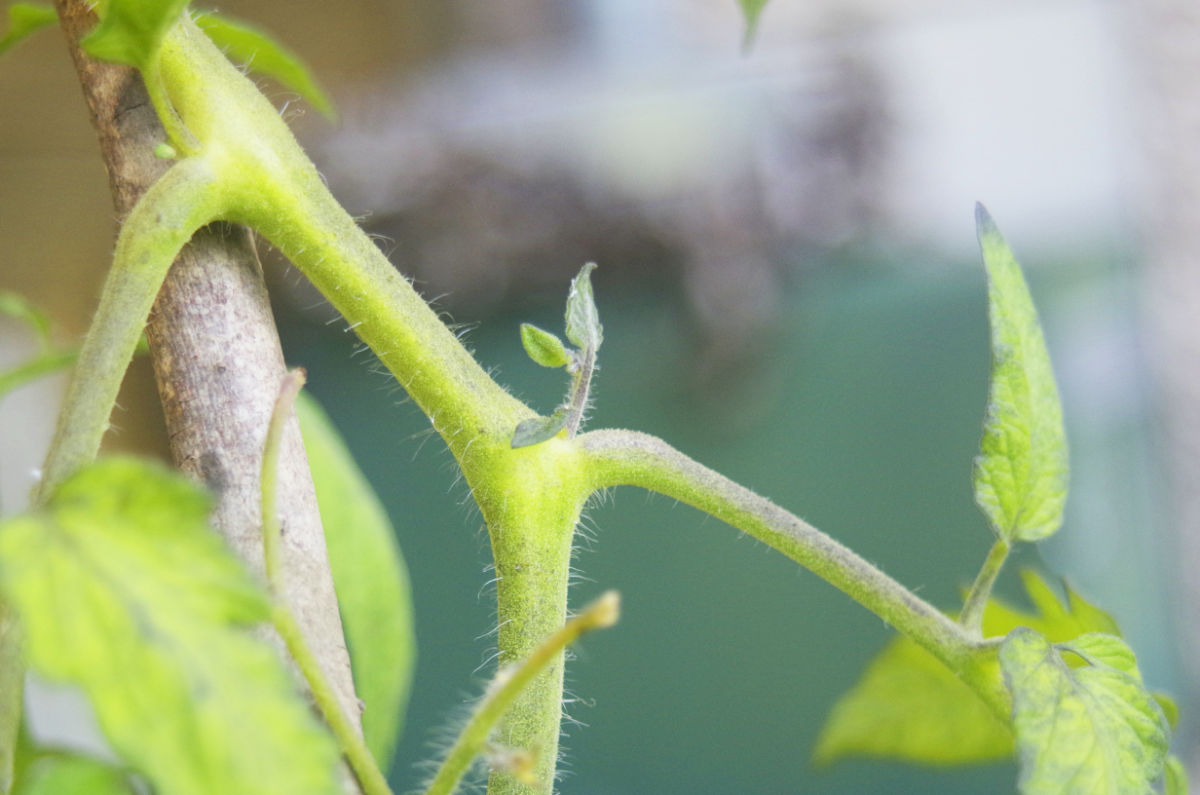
219	365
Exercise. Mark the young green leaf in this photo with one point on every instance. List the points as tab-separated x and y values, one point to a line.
583	320
371	579
67	774
1021	472
543	347
25	19
130	31
538	429
1082	730
263	55
121	558
907	705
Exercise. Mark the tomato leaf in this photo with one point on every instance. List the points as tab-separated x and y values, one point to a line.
1021	472
123	590
1090	729
543	347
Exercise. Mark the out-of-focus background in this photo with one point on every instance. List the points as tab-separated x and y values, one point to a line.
791	293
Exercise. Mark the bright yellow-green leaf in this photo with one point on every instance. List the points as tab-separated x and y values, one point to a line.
72	775
1087	730
370	577
130	31
1176	782
543	347
25	19
1021	472
124	591
907	705
259	52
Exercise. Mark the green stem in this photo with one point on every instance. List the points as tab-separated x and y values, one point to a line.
972	613
509	683
12	688
351	742
157	228
271	532
631	458
42	364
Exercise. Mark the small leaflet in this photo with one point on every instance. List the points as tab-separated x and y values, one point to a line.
543	347
583	320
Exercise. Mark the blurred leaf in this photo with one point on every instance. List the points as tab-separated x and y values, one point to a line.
1089	730
1169	707
67	774
262	54
583	321
25	19
751	10
907	705
1021	472
16	305
130	31
1176	777
543	347
538	429
370	578
124	591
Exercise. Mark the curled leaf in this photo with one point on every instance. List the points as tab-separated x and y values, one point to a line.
538	429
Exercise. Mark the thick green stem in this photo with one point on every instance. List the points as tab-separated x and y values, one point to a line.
508	685
157	228
972	613
631	458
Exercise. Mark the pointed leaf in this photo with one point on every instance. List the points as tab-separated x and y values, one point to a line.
67	774
370	578
751	10
130	31
25	19
907	705
583	321
1090	730
1021	473
124	591
543	347
539	429
262	54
